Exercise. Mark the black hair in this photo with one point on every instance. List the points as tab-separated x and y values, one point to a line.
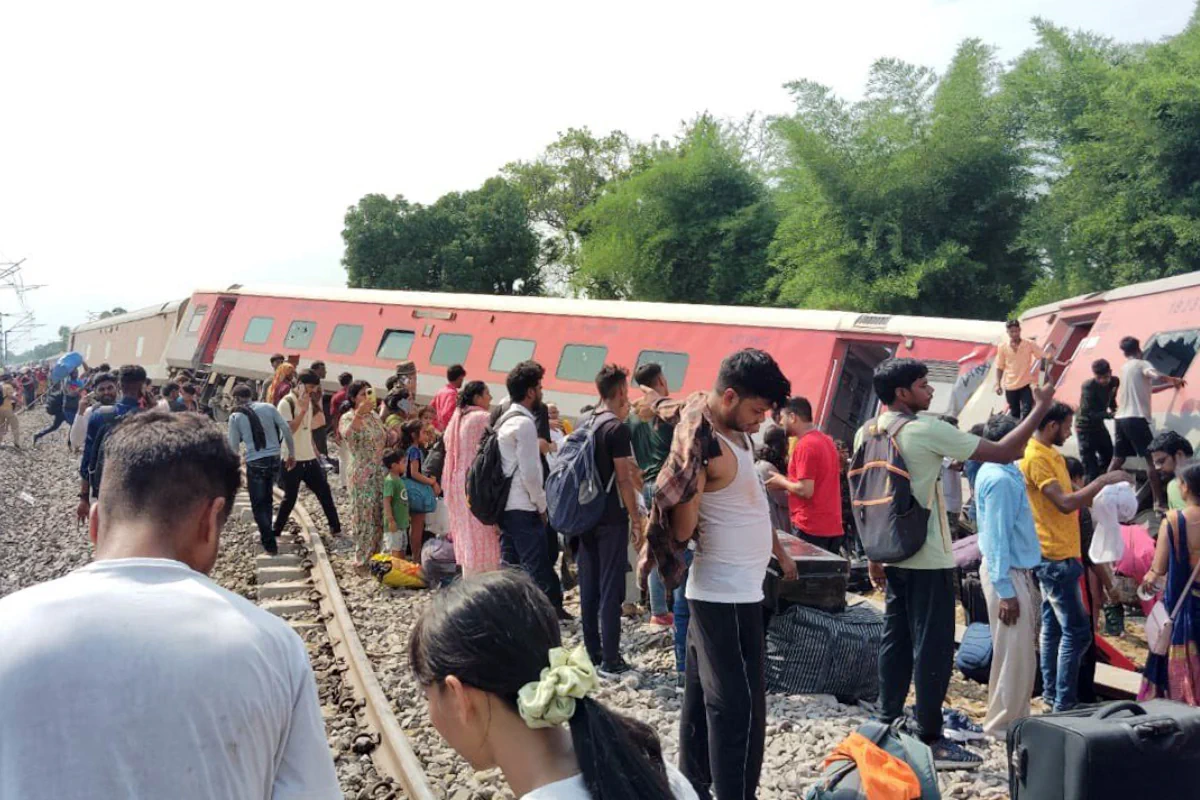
774	448
278	357
1190	475
353	392
157	464
242	391
1074	467
801	408
391	381
188	389
977	429
175	387
391	457
309	378
753	373
345	378
410	433
494	632
949	419
1012	323
895	374
455	372
647	374
997	427
316	365
1101	367
392	403
104	367
1130	346
1059	412
523	377
130	374
103	377
1170	442
470	393
609	379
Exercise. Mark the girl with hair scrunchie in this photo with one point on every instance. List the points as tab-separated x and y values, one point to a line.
501	688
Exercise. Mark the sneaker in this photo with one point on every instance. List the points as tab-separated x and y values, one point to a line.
665	620
957	727
948	755
615	670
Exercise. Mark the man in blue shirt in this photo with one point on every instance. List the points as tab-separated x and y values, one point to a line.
259	426
1009	543
132	379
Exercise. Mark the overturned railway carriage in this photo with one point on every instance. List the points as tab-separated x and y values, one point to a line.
137	337
829	355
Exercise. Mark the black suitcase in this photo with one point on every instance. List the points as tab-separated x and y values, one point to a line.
821	578
1118	751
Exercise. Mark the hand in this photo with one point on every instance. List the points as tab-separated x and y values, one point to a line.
1116	476
637	532
1180	383
290	464
437	488
877	575
1043	395
788	565
1010	610
83	509
999	389
777	482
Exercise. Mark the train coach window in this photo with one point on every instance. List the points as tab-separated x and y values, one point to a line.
299	335
581	362
258	330
345	339
450	349
674	365
139	347
197	319
394	345
1172	353
509	353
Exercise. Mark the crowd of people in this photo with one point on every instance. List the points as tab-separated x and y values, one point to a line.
686	500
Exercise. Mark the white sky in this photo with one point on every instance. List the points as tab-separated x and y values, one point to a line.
147	149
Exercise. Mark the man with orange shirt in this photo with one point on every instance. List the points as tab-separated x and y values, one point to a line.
813	481
1017	364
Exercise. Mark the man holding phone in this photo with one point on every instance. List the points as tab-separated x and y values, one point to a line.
298	408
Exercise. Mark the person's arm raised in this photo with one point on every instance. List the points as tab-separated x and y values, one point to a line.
1012	446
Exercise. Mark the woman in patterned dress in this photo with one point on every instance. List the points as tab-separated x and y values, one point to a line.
363	439
476	546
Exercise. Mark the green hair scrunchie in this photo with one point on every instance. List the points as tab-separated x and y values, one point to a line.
551	700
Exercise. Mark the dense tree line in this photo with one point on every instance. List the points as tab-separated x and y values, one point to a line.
975	192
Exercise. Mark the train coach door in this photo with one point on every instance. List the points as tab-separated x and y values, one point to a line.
850	397
217	321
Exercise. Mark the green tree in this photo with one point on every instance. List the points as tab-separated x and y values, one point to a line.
908	201
1115	128
691	226
478	241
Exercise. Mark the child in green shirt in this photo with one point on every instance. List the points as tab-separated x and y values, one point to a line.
395	503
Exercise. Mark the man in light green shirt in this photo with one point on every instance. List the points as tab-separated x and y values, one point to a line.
1170	453
918	632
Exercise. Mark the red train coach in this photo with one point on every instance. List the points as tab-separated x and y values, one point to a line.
829	355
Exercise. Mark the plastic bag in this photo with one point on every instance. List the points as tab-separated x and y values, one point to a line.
1114	505
396	573
437	561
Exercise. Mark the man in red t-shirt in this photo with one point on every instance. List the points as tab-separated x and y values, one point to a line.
813	484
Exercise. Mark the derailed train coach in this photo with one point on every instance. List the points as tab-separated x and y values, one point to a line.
136	337
829	355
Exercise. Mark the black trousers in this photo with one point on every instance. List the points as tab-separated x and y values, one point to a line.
601	560
918	645
1020	402
59	419
832	544
1095	451
723	723
260	481
313	476
523	544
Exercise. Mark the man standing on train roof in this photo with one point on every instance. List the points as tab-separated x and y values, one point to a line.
1017	364
1134	431
132	379
298	408
918	624
446	400
813	481
192	691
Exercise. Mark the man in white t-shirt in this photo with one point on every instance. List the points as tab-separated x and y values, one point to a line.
301	408
137	676
1134	429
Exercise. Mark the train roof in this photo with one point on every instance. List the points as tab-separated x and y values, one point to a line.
1171	284
130	316
810	319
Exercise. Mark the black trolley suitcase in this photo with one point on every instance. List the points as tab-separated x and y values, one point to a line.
1118	751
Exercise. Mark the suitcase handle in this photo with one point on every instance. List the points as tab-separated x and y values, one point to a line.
1124	705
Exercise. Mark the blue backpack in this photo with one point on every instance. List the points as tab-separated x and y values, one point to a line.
574	497
974	659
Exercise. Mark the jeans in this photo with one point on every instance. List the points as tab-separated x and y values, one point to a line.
723	722
1095	451
523	545
601	561
313	476
260	479
918	645
1066	631
683	615
1020	401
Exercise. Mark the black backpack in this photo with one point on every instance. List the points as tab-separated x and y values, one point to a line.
487	485
54	404
891	524
435	460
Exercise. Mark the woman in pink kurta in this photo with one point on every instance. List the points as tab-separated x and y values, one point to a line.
476	546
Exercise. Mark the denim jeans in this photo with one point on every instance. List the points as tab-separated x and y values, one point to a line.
658	592
1066	631
683	615
260	479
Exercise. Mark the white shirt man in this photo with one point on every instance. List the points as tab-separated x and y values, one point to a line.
520	457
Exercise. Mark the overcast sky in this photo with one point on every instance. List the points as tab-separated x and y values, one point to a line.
148	149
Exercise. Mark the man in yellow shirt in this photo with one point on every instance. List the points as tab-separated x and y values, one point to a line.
1066	628
1017	363
8	412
